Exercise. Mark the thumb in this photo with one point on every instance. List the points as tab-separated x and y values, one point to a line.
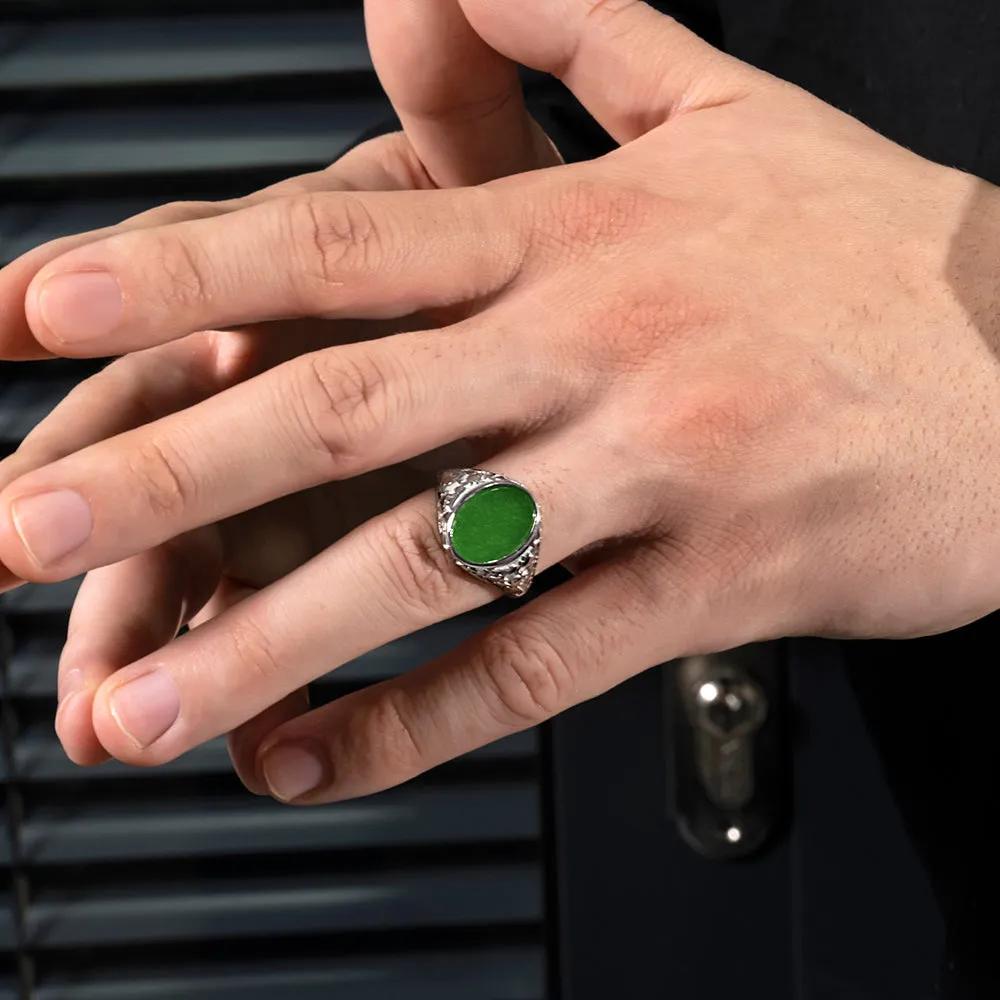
632	67
459	100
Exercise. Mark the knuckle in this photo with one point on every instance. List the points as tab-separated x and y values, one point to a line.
647	322
389	732
343	399
164	479
715	433
182	272
422	580
334	237
586	215
220	359
529	679
256	659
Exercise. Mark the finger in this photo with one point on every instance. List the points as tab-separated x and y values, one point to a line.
331	415
123	613
632	67
388	578
385	163
17	342
139	388
368	256
142	387
459	100
127	393
243	742
567	646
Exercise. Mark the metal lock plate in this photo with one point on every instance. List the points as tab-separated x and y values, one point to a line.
724	714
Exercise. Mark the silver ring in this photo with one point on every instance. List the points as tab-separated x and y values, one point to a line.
491	526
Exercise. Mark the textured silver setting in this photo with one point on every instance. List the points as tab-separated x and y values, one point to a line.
513	574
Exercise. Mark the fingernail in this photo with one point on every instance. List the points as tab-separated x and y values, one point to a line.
51	525
146	707
80	305
63	708
64	704
291	770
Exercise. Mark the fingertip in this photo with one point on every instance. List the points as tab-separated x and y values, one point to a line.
294	771
245	742
244	760
17	342
75	730
33	315
38	527
32	307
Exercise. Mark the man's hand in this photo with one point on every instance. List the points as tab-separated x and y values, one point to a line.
747	364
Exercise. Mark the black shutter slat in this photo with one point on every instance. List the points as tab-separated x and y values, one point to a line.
38	757
47	10
23	404
179	50
34	598
4	847
98	831
513	974
109	144
307	904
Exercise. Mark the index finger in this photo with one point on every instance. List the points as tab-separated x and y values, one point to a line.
17	342
364	256
385	163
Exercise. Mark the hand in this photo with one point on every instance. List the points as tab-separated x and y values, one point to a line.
747	364
131	608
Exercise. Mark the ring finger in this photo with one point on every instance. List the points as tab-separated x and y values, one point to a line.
388	578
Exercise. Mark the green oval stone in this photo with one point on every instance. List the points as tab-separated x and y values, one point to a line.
493	524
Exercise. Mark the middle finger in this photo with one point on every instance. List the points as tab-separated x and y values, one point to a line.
139	388
325	416
374	256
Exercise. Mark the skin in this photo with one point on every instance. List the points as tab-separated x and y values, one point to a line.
746	363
